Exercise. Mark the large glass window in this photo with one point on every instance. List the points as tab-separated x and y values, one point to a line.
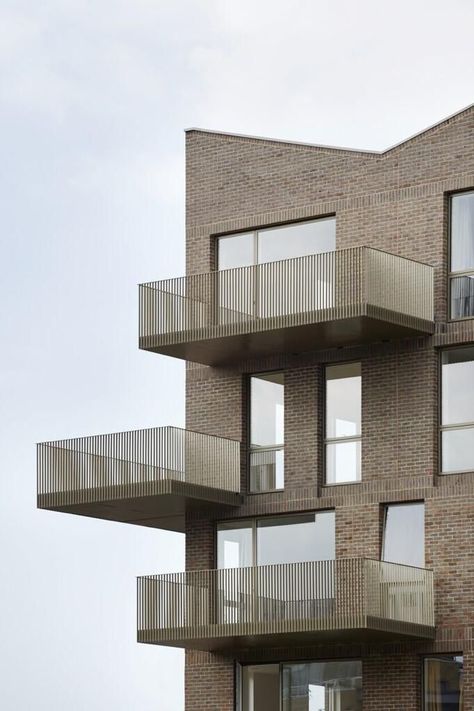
270	541
272	288
343	423
308	686
442	683
275	243
457	410
404	534
277	539
462	256
267	430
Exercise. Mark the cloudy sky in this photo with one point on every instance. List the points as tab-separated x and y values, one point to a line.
94	97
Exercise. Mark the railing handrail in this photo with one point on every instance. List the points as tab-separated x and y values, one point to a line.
282	565
53	443
138	458
355	248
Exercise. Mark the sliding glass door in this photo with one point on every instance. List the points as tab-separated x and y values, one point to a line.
307	686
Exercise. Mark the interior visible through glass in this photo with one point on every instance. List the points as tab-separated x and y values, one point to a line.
443	683
308	686
322	686
404	534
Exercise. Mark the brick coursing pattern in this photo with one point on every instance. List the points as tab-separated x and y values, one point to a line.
396	201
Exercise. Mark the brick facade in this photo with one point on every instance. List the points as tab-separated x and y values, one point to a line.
396	201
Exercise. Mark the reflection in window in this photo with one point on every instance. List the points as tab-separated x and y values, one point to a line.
295	539
275	243
404	534
457	411
443	683
322	686
308	686
343	423
462	256
267	429
279	285
276	539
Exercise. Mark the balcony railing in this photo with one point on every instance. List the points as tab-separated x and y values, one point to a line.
273	604
317	301
147	476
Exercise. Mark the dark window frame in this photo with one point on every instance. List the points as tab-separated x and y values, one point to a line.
450	274
423	658
444	428
329	440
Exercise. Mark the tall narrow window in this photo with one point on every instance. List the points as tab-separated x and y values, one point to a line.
404	534
457	411
343	423
462	256
442	683
266	431
322	686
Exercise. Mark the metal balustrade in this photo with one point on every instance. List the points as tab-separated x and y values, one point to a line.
141	476
321	300
273	604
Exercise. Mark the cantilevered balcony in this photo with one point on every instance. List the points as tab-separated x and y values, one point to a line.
271	605
147	477
338	298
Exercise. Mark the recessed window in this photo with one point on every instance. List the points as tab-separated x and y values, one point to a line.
276	539
457	410
461	277
443	683
275	243
343	423
313	686
267	431
404	534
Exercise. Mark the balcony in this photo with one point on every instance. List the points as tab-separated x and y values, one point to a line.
340	298
146	477
295	603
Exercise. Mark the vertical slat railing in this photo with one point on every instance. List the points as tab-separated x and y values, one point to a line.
131	463
291	292
276	599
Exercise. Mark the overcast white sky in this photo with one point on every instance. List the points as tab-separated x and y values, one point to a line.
94	99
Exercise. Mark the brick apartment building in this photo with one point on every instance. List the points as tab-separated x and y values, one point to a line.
325	478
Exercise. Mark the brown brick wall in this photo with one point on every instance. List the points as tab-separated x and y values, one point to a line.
396	201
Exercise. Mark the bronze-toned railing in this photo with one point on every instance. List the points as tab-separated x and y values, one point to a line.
347	283
210	608
131	464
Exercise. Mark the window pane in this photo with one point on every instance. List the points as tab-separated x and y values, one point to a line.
297	240
462	232
458	386
343	400
296	539
236	251
322	686
404	534
462	297
266	470
234	545
261	687
458	450
343	462
442	683
266	410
